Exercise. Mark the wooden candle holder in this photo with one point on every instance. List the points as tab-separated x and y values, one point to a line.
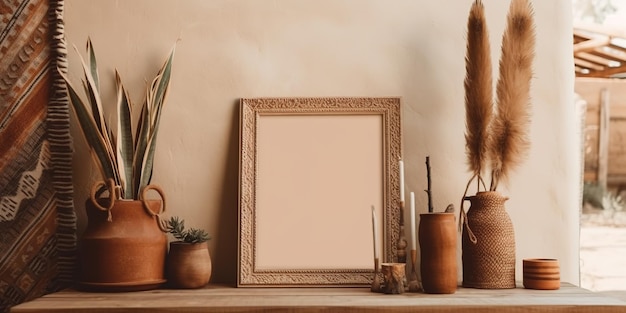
402	243
376	280
414	284
393	277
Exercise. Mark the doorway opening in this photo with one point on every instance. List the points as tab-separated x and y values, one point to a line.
600	63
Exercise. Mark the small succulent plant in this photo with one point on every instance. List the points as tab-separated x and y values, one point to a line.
176	227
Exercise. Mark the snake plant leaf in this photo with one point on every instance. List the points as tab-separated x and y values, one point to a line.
93	95
148	162
91	90
90	131
163	82
141	145
155	100
126	160
93	64
124	140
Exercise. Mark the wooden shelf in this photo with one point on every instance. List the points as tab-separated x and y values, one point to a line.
228	299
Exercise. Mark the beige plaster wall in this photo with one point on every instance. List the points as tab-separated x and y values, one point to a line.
229	49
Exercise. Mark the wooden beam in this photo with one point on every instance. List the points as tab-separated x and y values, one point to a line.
603	139
615	46
581	70
589	65
581	36
579	39
591	44
586	56
580	28
606	73
600	49
609	54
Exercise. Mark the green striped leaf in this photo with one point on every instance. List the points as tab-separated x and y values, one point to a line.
155	100
90	132
125	146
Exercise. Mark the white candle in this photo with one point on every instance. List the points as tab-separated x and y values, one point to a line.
413	237
401	180
375	232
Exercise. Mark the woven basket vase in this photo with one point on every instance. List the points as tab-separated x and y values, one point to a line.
488	243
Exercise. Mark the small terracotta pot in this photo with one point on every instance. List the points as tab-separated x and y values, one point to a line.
543	274
188	265
438	259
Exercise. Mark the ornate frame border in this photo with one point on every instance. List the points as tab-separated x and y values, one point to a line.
250	110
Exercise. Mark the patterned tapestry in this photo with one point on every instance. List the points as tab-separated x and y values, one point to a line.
37	220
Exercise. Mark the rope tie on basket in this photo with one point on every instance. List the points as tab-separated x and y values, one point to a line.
142	196
463	215
98	189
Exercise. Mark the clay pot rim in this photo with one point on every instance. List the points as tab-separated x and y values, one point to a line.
180	242
540	260
438	214
188	246
486	192
392	263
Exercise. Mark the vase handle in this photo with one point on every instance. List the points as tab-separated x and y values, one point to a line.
462	215
161	210
465	223
98	188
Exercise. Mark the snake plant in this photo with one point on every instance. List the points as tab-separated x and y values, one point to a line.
122	157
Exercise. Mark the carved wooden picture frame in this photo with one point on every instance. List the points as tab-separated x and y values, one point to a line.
310	170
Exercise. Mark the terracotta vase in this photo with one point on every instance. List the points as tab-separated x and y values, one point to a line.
126	253
488	243
188	265
543	274
438	260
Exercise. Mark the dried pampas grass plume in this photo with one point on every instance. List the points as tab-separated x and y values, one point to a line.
498	139
478	90
509	142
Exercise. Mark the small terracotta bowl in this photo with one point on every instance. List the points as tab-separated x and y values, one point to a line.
542	274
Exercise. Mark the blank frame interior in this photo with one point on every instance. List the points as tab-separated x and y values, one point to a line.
311	168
